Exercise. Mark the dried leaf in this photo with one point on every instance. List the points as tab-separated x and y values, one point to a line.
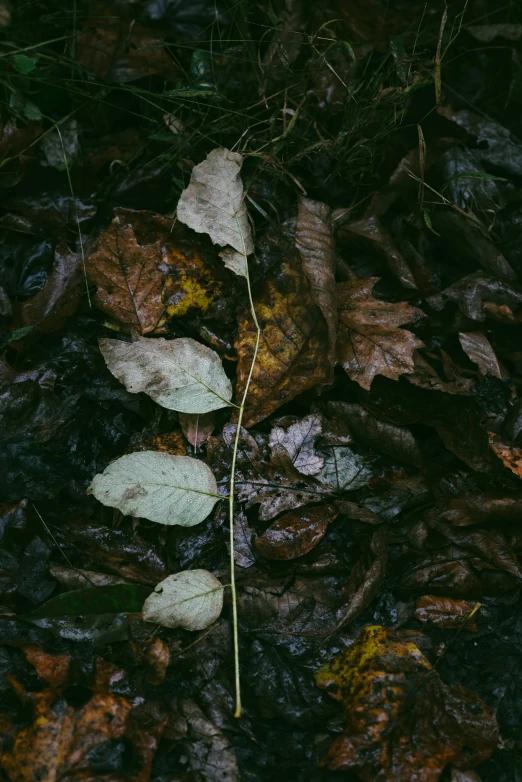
197	427
129	276
370	341
315	241
192	600
293	349
180	374
509	454
157	486
213	203
403	722
445	612
298	440
478	349
296	533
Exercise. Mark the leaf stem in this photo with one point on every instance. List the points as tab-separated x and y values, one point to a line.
237	712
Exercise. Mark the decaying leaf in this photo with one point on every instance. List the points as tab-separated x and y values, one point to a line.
293	351
403	722
192	599
296	533
208	748
371	341
213	203
180	374
344	469
129	275
478	349
197	427
365	581
474	292
157	486
510	455
445	612
315	241
298	437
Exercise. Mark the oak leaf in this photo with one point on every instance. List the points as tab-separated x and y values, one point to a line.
371	341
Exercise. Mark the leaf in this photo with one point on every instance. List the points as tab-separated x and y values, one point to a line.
213	203
315	241
129	276
293	350
180	374
478	349
298	440
209	750
157	486
296	533
119	598
472	293
197	427
192	600
402	721
364	583
24	64
370	341
445	612
510	455
344	469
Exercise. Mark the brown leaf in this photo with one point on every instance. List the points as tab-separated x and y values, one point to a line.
403	722
509	454
293	351
15	140
445	612
296	533
365	582
370	340
482	508
478	349
197	427
156	657
123	51
370	229
472	293
59	297
315	241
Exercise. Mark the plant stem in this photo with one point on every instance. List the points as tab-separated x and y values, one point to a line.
237	712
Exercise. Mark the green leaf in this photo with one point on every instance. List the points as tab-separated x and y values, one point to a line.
179	374
158	486
114	599
25	106
192	599
24	64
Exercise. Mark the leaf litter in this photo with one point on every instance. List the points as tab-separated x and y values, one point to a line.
352	172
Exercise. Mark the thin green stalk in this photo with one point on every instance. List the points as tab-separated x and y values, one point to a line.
237	712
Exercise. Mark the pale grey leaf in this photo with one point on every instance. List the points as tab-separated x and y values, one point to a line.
158	486
344	469
179	374
192	599
298	440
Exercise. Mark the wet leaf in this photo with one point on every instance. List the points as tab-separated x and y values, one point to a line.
365	582
371	229
157	486
292	355
192	600
471	294
393	700
213	203
180	374
445	612
197	427
371	341
298	437
478	349
129	276
296	533
118	598
510	455
344	469
315	242
208	748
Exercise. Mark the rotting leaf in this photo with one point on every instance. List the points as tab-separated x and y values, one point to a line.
118	598
371	341
315	242
213	203
296	533
192	600
157	486
180	374
293	351
445	612
510	455
197	427
344	469
478	349
297	437
393	699
365	582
